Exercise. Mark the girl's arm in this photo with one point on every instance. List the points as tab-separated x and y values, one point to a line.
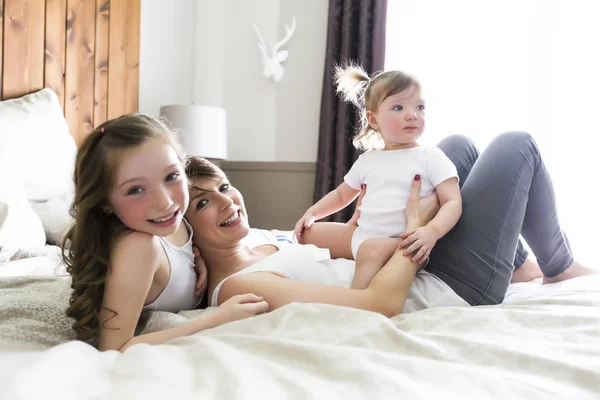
237	307
205	321
386	293
451	207
333	202
134	261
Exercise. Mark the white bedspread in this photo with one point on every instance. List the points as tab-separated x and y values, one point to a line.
544	344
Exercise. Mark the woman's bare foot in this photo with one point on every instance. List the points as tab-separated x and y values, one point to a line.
573	271
527	272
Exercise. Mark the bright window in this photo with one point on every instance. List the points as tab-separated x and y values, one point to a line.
493	66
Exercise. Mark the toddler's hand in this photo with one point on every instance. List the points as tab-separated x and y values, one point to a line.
241	306
305	222
418	243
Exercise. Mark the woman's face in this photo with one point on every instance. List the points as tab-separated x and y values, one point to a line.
216	212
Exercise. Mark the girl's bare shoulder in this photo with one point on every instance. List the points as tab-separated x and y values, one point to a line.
136	250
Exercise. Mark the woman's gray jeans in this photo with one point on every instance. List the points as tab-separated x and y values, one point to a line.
506	192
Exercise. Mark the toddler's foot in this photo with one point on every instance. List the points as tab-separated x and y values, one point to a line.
527	272
573	271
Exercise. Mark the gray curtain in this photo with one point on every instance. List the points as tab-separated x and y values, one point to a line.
356	32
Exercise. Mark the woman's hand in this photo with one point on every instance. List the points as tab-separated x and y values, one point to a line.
307	220
241	306
202	272
420	211
417	237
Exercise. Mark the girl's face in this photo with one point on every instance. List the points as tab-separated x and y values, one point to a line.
400	119
216	213
150	188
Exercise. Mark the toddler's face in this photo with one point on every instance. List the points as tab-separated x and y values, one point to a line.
400	119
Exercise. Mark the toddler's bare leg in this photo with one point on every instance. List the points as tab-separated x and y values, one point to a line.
371	257
335	236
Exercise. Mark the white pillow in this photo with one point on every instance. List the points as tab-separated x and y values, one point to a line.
55	216
35	135
36	144
20	227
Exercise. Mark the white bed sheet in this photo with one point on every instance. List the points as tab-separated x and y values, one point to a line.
544	343
49	265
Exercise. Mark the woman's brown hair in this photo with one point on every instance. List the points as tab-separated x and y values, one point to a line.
197	168
93	232
367	94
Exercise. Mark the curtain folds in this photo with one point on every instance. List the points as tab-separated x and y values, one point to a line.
356	32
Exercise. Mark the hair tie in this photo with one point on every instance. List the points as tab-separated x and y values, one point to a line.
102	130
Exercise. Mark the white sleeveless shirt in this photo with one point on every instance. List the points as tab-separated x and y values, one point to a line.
308	263
178	294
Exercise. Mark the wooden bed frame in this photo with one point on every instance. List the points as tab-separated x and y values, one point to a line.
87	51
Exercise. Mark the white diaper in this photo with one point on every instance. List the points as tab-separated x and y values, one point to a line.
359	236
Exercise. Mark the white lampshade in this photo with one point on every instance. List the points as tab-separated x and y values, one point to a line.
202	129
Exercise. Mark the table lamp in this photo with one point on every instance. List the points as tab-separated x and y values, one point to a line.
202	130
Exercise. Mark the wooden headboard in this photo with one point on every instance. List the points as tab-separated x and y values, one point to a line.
87	51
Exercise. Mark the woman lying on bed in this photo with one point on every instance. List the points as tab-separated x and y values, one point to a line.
506	192
131	250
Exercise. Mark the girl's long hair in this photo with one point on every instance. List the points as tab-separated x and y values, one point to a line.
94	230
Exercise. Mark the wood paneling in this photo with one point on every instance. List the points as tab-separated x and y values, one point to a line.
71	46
132	73
81	47
54	71
101	63
23	60
1	41
124	56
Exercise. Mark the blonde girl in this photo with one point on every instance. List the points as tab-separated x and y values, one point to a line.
392	112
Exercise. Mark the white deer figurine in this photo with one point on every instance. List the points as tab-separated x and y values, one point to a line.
272	63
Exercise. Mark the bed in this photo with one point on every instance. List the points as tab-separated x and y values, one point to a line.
543	342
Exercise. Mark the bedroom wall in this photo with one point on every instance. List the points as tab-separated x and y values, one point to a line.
268	121
299	97
166	54
205	52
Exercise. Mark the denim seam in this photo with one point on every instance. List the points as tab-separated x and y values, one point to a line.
464	168
571	258
564	268
520	257
465	165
